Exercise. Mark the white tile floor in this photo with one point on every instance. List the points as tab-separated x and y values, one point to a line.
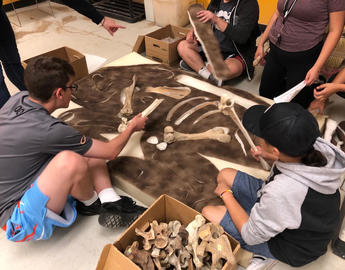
79	247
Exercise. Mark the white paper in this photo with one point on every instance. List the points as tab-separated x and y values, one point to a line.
94	62
290	94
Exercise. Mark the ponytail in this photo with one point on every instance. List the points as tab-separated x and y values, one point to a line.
314	158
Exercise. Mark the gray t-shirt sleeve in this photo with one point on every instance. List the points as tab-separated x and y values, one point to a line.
61	136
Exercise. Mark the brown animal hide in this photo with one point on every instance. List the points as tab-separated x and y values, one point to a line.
180	171
209	43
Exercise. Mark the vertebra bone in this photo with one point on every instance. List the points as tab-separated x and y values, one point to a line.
178	105
216	133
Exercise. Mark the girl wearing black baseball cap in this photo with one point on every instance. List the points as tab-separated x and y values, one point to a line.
291	216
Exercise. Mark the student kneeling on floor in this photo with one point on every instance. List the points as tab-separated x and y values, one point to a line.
290	217
46	163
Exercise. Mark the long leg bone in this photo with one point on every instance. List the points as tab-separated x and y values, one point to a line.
194	109
217	133
173	92
205	115
227	108
127	107
180	104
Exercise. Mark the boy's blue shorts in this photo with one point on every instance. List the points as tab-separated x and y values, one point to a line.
31	220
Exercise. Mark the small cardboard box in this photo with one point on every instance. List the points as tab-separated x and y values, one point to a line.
73	57
161	45
164	209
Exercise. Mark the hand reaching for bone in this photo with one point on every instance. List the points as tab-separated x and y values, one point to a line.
261	153
138	122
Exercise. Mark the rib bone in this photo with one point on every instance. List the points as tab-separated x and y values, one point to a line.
193	110
127	107
216	133
226	105
181	103
173	92
205	115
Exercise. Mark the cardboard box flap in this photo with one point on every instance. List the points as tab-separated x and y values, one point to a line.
112	259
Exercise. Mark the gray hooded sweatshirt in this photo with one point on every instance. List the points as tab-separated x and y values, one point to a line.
298	208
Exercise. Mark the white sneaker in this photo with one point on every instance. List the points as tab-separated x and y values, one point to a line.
259	262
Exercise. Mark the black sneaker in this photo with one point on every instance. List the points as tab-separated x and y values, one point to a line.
121	213
93	209
215	81
184	66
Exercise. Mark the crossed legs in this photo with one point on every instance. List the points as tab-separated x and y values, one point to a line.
189	53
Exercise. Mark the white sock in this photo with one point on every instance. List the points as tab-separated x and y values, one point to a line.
108	195
204	72
91	200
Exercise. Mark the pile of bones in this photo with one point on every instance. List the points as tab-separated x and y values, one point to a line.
199	245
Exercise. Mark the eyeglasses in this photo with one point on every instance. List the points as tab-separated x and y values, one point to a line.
73	87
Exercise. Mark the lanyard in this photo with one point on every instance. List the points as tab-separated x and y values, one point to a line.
287	10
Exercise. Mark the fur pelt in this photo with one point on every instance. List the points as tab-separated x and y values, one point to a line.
179	171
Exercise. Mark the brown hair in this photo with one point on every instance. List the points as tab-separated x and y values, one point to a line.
45	74
314	158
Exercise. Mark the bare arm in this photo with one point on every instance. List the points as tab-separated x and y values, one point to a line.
238	215
110	150
336	24
264	36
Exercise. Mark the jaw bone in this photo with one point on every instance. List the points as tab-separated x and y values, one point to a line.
217	133
180	104
128	91
194	109
173	92
227	107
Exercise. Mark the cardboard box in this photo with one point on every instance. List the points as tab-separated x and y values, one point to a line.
75	58
161	45
164	209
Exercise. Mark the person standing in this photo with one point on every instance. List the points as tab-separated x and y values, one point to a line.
297	50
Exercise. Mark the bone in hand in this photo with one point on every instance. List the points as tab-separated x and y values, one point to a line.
124	123
173	92
217	133
180	104
227	106
152	107
127	107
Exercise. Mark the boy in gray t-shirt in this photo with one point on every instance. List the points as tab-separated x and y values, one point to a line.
45	163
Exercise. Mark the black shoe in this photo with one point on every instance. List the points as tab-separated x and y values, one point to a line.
93	209
121	213
215	81
184	66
